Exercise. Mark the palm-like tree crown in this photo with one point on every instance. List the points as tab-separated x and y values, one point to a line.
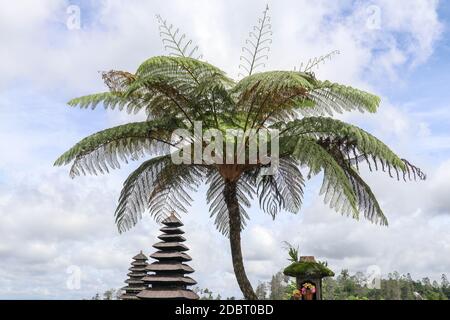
175	91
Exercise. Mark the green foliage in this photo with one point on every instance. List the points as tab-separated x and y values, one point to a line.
293	252
207	294
315	62
104	149
261	291
336	188
345	136
111	294
283	190
308	268
216	199
394	287
175	42
330	97
257	45
158	186
346	286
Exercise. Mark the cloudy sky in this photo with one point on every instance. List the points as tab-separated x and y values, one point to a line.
52	226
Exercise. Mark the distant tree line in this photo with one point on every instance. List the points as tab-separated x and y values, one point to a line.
354	287
342	287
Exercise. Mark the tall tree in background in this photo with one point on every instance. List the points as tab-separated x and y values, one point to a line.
261	291
278	286
176	91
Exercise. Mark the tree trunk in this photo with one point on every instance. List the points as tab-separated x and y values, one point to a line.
234	216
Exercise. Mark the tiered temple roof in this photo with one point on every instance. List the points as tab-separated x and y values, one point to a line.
135	282
167	279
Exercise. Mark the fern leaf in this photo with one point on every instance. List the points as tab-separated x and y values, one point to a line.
159	187
336	188
105	149
315	62
216	200
257	45
349	138
283	190
175	42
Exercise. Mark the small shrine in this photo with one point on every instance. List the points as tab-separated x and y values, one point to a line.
166	278
134	281
309	275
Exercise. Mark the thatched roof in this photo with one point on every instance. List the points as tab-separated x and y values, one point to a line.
171	230
158	266
128	297
140	256
174	246
172	221
179	256
169	279
172	237
138	269
139	274
308	268
168	294
139	263
134	281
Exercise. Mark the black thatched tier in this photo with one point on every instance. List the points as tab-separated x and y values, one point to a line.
170	246
168	280
172	238
168	294
165	280
172	221
175	256
138	269
134	281
170	267
171	230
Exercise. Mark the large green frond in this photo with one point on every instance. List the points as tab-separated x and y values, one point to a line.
316	61
336	187
110	100
271	94
257	46
159	187
104	149
350	136
216	200
183	68
196	89
282	190
175	42
367	202
332	97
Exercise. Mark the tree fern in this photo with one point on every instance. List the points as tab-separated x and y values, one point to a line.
176	91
